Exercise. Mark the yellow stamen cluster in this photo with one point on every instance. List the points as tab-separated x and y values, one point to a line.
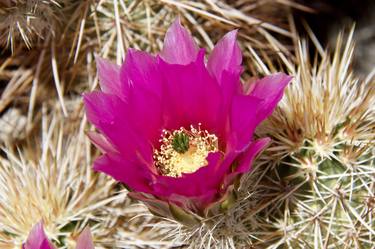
172	161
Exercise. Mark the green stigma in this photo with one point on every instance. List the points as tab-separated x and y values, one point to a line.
180	142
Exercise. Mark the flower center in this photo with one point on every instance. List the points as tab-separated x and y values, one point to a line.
184	151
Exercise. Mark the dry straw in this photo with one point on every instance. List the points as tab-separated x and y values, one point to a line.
49	46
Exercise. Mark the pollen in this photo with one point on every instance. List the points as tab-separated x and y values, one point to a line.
184	151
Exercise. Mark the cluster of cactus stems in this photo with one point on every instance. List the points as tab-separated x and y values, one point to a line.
51	181
323	155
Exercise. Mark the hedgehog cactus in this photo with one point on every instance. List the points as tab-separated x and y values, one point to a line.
51	181
26	20
323	155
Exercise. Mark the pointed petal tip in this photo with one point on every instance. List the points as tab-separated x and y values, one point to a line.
271	86
98	59
97	166
264	142
226	56
177	21
87	96
187	49
38	228
103	106
259	145
284	77
108	73
131	51
253	150
101	142
176	24
101	63
85	240
232	34
270	90
37	238
102	165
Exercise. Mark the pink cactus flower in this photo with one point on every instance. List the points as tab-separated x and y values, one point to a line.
175	129
38	239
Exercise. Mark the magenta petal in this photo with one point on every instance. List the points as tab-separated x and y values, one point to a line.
173	90
85	240
101	107
179	47
202	179
192	96
249	110
226	56
244	119
109	76
246	159
145	115
270	89
37	239
142	82
134	174
140	73
101	142
230	87
111	116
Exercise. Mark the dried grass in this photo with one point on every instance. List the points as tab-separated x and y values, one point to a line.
49	46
